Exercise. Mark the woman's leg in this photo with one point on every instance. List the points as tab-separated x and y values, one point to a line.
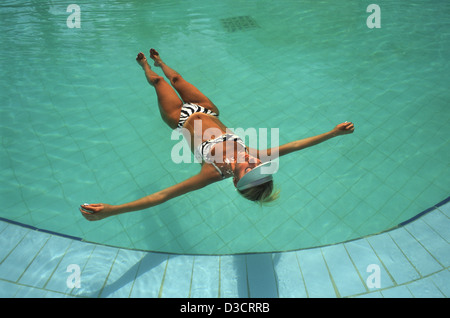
188	92
168	100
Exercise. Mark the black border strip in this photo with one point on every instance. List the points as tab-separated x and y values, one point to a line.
41	230
424	212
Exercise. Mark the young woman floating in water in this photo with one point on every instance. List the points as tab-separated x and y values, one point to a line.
221	153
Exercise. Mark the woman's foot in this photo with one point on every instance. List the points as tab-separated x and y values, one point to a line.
154	55
141	59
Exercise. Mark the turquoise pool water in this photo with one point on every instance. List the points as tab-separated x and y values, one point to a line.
80	124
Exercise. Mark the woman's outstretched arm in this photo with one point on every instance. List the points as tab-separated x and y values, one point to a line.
98	211
341	129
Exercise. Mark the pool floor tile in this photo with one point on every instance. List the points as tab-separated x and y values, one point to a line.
316	276
288	275
64	278
205	277
233	276
431	241
397	292
95	273
393	259
178	277
425	288
366	261
29	292
123	274
422	261
445	209
345	276
442	281
440	223
261	276
45	262
23	254
150	275
8	289
9	238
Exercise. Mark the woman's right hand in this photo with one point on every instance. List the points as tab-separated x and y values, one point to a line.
344	129
97	211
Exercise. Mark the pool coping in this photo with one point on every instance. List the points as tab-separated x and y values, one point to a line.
410	259
412	219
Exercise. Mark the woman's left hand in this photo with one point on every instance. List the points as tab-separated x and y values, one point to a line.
344	129
95	212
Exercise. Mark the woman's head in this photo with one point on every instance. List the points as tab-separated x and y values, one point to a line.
252	183
263	193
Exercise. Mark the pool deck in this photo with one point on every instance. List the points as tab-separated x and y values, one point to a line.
410	261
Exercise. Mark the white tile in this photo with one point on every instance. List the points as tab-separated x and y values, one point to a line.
393	259
442	282
397	292
431	241
123	274
416	254
425	288
317	278
9	238
233	276
178	276
261	276
288	275
150	275
439	222
364	258
77	256
96	271
45	263
205	277
343	272
23	254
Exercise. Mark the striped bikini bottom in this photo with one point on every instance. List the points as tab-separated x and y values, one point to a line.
189	109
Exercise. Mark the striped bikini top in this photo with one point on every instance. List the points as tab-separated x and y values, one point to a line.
203	151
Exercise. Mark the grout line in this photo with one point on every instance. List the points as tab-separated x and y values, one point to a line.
424	247
437	287
21	285
432	227
303	277
31	262
107	276
15	246
74	289
163	278
403	284
338	295
192	277
57	265
220	268
412	265
274	272
136	275
246	277
381	262
356	269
